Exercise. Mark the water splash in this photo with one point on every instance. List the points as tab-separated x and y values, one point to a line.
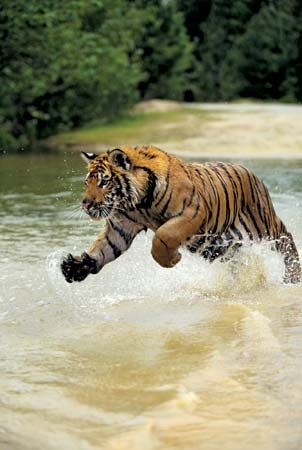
135	275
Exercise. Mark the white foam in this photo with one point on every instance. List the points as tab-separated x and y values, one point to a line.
135	275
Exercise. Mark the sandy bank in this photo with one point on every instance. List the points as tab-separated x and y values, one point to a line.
210	130
244	130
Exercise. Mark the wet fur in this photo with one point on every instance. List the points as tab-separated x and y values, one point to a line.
211	208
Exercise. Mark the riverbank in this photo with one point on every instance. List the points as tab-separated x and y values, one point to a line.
250	130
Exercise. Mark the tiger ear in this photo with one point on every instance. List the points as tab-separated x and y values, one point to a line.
119	159
88	156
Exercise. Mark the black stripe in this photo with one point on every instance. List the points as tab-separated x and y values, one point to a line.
206	198
116	251
185	168
261	204
147	201
127	183
250	234
102	253
214	228
146	154
282	227
268	201
211	183
201	227
164	209
235	191
256	199
195	245
120	187
126	236
227	206
240	182
237	232
261	211
192	195
146	214
180	212
197	208
254	222
123	213
163	242
210	215
272	213
166	188
250	183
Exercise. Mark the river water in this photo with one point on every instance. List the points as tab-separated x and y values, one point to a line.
198	357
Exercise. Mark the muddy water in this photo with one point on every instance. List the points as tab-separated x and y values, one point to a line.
138	357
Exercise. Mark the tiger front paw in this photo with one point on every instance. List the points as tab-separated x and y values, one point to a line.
77	268
163	255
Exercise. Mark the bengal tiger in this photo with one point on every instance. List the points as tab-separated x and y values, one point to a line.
211	208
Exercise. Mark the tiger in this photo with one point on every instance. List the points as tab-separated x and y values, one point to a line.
210	208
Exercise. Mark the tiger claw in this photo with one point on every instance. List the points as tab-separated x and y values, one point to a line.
77	268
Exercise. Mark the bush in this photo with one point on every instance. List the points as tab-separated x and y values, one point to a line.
9	144
63	64
261	61
165	50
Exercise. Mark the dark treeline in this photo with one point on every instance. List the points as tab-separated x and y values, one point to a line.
66	63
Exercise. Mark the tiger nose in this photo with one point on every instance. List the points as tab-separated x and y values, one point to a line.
87	203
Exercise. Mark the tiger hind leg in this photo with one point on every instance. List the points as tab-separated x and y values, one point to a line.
285	245
221	248
234	249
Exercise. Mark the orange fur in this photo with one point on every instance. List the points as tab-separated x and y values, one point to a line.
211	208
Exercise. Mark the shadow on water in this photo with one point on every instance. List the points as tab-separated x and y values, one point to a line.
196	357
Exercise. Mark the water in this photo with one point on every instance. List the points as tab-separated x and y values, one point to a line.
140	357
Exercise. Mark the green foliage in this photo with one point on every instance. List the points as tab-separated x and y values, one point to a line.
164	48
63	63
296	65
195	13
227	20
261	61
8	143
245	48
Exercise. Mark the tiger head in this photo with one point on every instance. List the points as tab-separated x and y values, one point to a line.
115	182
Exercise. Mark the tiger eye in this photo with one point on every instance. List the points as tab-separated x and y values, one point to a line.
103	180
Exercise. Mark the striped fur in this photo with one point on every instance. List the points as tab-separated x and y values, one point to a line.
210	208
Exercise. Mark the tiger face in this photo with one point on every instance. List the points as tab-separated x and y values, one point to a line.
110	184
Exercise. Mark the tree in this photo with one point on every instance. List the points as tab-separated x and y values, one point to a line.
296	65
261	63
62	64
165	50
226	21
195	13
